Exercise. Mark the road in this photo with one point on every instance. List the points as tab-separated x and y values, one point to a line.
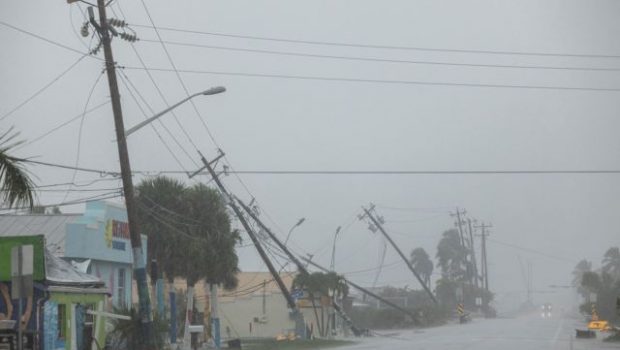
524	332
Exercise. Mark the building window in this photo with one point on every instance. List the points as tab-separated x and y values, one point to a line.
62	317
122	302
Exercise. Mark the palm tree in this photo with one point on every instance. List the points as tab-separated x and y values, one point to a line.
611	262
15	183
422	263
452	256
581	268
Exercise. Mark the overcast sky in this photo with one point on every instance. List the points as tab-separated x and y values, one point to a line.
270	123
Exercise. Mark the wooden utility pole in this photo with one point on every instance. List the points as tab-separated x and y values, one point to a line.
459	223
407	262
473	252
139	268
367	292
483	263
302	269
231	202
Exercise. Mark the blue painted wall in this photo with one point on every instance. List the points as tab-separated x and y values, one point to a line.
101	235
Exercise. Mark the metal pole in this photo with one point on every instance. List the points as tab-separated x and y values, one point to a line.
378	225
20	334
139	270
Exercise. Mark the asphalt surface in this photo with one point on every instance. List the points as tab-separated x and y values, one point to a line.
523	332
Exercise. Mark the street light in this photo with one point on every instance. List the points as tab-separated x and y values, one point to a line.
333	262
301	221
211	91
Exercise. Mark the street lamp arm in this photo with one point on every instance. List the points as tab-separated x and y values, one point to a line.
211	91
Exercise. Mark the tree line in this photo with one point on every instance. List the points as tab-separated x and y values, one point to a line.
599	287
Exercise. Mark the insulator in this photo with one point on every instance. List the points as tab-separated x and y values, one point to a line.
128	37
117	22
84	29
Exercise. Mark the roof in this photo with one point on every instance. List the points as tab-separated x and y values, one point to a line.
61	273
52	226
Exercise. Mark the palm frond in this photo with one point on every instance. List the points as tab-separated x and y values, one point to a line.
15	183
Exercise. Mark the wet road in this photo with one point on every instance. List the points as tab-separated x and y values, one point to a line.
525	332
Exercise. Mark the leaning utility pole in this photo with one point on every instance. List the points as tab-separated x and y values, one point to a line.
139	268
483	263
459	224
367	292
231	202
302	269
378	225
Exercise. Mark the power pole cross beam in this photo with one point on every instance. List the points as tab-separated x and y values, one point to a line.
377	224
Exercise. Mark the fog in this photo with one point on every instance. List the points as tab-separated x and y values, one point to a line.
270	123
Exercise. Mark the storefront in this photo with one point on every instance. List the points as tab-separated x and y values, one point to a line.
59	312
96	242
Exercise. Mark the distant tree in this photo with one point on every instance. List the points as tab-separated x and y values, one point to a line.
611	262
582	267
422	264
452	256
16	187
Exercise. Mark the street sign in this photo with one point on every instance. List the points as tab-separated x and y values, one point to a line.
21	271
460	309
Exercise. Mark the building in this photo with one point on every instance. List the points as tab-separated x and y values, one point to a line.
56	314
256	308
97	241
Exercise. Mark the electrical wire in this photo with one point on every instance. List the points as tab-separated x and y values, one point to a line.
386	47
126	82
351	172
382	81
49	41
63	125
43	88
384	60
101	196
79	142
533	251
178	76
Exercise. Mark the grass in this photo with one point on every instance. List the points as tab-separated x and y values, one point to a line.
267	344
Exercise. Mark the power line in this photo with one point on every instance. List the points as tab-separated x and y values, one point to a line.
385	60
381	81
49	41
64	124
514	246
79	142
349	172
387	47
126	82
43	88
101	196
177	74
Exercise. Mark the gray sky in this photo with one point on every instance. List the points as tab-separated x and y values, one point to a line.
292	124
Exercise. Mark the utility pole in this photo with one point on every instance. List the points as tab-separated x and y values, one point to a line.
367	292
483	263
231	202
459	223
473	252
139	268
376	223
302	269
